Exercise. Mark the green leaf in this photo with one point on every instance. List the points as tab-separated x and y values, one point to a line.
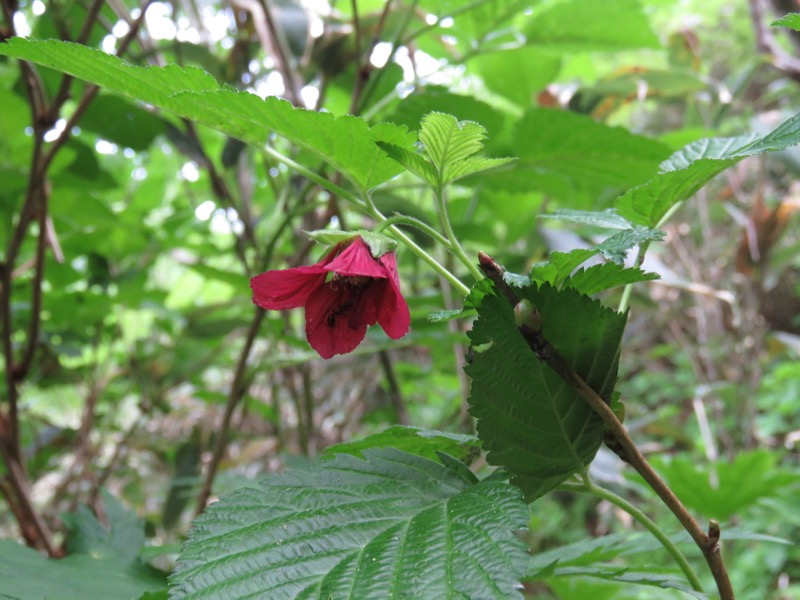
347	143
607	219
422	442
616	247
118	120
102	563
450	144
123	538
530	420
689	169
560	266
434	98
517	73
580	25
413	161
560	152
590	558
597	278
391	526
792	21
725	488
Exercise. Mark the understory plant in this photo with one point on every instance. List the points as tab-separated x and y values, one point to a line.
408	512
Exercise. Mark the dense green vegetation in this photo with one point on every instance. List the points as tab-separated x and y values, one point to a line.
399	299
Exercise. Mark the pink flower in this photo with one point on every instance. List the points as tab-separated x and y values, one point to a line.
343	294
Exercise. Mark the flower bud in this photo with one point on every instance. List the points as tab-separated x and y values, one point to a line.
526	315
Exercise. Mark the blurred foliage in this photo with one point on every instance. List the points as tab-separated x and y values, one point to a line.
155	224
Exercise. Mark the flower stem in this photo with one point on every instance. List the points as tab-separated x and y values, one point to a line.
455	245
587	486
419	251
398	219
368	207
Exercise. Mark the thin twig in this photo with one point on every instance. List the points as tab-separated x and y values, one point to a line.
624	445
765	43
234	396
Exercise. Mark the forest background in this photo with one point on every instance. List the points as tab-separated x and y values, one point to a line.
140	382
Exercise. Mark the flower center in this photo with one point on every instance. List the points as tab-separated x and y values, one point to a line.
350	281
350	289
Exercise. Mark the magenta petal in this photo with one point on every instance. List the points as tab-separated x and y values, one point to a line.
329	329
393	316
357	261
287	288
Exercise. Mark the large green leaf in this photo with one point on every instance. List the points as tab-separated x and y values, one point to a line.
689	169
346	142
393	525
530	420
560	151
102	562
517	73
582	25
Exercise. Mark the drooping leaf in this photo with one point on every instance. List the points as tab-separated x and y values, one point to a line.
616	247
530	420
580	25
386	526
608	219
422	442
689	169
347	143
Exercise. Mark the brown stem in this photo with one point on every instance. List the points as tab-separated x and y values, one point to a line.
766	44
238	389
35	206
395	395
624	444
364	68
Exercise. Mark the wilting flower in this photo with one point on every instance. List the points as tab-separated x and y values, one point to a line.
343	294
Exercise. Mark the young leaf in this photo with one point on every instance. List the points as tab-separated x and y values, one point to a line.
450	144
560	266
346	143
597	278
392	526
530	420
413	162
689	169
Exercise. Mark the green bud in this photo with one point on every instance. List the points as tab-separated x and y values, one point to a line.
526	315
